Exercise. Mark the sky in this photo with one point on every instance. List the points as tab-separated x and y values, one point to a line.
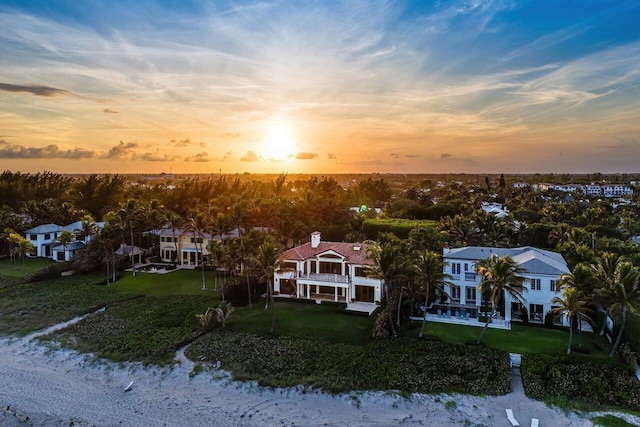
320	86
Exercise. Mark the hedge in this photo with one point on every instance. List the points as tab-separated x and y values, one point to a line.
400	227
404	364
593	382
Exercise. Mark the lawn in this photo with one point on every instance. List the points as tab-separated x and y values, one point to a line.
321	321
179	282
520	339
20	271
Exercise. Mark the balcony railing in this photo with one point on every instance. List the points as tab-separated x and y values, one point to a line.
324	277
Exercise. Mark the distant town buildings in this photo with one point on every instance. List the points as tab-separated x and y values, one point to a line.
604	190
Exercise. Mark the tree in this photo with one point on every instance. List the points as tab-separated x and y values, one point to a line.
216	251
389	265
65	238
198	224
499	275
623	295
430	274
223	313
604	276
267	261
21	247
574	305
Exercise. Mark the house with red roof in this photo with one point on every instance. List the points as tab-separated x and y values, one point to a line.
334	271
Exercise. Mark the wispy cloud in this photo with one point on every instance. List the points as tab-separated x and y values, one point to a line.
33	89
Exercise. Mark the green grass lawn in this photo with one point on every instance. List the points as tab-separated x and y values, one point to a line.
179	282
520	339
321	321
20	271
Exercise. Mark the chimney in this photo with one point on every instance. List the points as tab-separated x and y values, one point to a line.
445	248
315	239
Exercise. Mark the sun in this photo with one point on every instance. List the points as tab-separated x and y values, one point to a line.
279	143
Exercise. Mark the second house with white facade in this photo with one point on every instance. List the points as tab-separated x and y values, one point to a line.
542	270
333	271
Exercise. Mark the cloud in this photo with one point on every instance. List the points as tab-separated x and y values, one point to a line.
13	151
156	157
33	89
200	158
185	143
249	157
394	155
332	156
306	156
121	151
226	156
110	111
412	156
444	155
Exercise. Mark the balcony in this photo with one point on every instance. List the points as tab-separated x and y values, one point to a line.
324	277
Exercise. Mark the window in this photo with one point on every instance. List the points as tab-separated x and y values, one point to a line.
466	267
33	237
535	284
455	268
360	272
196	240
552	286
535	312
47	236
470	294
455	291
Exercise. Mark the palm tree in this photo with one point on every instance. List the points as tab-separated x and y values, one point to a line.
65	238
198	224
224	312
267	261
499	275
22	247
175	221
129	216
389	265
580	278
604	272
430	274
623	295
216	250
575	305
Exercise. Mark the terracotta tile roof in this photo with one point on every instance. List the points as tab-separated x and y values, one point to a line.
352	256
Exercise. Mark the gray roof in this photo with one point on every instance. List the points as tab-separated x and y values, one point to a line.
73	246
45	228
533	260
77	226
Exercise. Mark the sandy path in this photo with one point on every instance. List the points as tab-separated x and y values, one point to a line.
55	387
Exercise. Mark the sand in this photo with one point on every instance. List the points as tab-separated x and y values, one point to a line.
58	387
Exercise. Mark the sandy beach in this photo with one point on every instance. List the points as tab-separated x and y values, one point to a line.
57	387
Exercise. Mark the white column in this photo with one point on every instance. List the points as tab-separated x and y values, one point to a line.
308	291
336	294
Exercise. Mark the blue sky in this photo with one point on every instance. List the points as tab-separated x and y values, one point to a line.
318	86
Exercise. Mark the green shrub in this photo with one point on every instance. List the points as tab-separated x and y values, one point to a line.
400	227
404	364
593	383
51	271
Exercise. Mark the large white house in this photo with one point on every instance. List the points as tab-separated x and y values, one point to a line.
45	239
542	268
186	247
328	270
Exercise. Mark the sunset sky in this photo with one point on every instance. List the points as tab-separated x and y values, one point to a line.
320	86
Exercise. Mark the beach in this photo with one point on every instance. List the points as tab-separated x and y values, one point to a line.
59	387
